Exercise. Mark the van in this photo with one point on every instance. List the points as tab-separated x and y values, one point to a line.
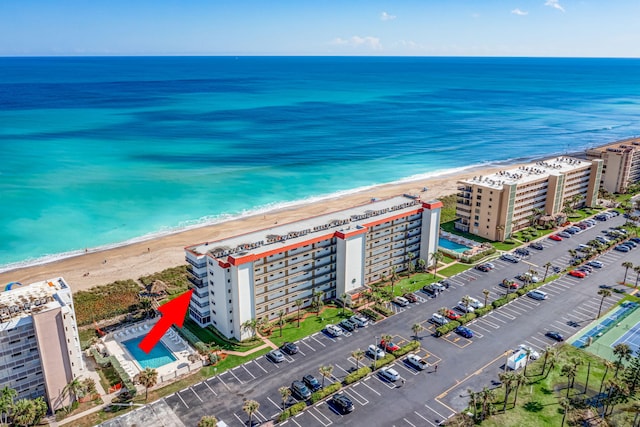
438	319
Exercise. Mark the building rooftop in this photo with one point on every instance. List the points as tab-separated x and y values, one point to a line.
348	220
618	146
23	301
529	172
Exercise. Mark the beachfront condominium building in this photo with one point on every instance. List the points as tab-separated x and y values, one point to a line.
259	274
621	167
496	205
39	346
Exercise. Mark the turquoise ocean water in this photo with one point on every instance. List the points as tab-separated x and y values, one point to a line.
99	151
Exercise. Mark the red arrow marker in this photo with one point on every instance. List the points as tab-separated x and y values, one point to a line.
173	312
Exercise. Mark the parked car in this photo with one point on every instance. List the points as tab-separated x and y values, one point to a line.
389	374
475	303
533	355
509	284
439	287
416	362
463	308
389	346
536	245
606	287
523	251
564	234
409	296
311	382
430	290
439	319
464	331
482	267
510	258
577	273
401	301
359	320
347	325
622	248
300	390
635	239
554	335
595	264
275	356
375	352
342	403
452	315
289	348
602	240
629	242
537	294
333	330
555	237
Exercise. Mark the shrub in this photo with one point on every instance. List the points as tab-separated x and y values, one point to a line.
328	390
383	310
388	358
499	302
445	329
292	410
482	311
106	301
413	345
521	292
202	347
357	375
511	297
466	318
370	314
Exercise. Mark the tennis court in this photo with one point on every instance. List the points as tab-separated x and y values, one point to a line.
631	338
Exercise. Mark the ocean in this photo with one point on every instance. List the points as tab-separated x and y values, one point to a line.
98	151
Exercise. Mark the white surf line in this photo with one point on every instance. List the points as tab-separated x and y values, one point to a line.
209	387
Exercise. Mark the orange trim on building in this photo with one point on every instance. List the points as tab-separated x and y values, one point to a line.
435	205
253	257
392	218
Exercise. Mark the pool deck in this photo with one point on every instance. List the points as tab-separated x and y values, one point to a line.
180	349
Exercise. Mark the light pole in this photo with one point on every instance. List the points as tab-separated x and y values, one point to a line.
375	352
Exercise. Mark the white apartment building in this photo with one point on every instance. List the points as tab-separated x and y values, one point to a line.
39	344
259	274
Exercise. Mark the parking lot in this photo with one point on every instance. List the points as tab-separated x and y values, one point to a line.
429	396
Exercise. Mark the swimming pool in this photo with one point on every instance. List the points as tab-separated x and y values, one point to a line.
158	356
452	246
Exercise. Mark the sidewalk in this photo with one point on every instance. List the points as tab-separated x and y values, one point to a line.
106	401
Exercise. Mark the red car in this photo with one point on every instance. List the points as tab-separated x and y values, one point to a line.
389	346
410	297
452	315
555	237
577	273
510	284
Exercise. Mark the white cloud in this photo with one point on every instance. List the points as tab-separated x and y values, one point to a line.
554	4
384	16
369	42
519	12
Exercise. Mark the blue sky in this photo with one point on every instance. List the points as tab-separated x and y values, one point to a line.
595	28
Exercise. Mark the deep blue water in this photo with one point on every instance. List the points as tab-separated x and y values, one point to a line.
97	151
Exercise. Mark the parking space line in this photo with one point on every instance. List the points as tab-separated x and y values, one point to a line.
566	331
263	417
275	404
194	392
512	310
364	382
342	369
493	325
507	315
234	375
535	346
404	366
493	317
223	383
350	391
544	343
236	415
260	366
386	383
245	368
303	341
408	422
424	418
182	400
476	325
319	420
436	412
316	340
209	387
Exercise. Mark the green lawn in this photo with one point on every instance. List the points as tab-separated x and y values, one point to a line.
454	269
413	283
450	227
311	324
207	336
231	361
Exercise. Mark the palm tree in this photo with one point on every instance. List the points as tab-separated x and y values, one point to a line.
486	293
394	277
547	352
553	359
325	371
358	355
250	407
637	271
565	404
281	320
343	298
285	392
487	396
24	412
148	378
411	256
436	257
622	351
299	303
520	379
386	338
443	311
146	305
7	396
208	421
576	361
568	371
416	328
473	396
72	388
627	265
421	263
507	379
250	325
547	266
526	362
607	365
605	294
466	300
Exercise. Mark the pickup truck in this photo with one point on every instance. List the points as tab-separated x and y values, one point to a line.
416	362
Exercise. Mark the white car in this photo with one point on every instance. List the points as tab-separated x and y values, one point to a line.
463	308
375	352
389	374
537	294
439	319
416	362
475	303
401	301
533	355
361	321
333	330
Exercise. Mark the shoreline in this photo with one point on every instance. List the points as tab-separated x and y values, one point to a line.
133	260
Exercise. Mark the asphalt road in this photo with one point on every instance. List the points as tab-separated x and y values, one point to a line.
427	397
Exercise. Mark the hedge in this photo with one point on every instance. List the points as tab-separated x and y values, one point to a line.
190	337
482	311
388	358
103	362
321	394
413	345
292	410
446	328
466	318
357	375
371	314
383	310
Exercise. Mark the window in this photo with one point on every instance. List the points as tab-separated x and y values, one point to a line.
479	190
476	217
475	224
229	301
478	204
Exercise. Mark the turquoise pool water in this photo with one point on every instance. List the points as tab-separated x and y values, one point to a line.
158	356
453	246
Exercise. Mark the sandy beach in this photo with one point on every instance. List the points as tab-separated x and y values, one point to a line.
139	259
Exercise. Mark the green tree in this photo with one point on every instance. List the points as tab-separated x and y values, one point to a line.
526	362
605	293
7	397
519	380
416	328
607	366
26	412
394	277
565	404
250	407
411	256
285	393
208	421
637	271
632	373
250	326
325	371
299	303
553	359
547	266
466	300
281	320
621	351
146	305
357	355
421	264
507	379
569	371
72	388
343	298
487	396
148	378
486	293
473	396
436	257
627	265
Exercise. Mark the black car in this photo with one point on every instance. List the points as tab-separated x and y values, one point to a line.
555	336
606	287
536	245
342	403
311	382
445	283
523	251
289	348
300	391
429	290
483	267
